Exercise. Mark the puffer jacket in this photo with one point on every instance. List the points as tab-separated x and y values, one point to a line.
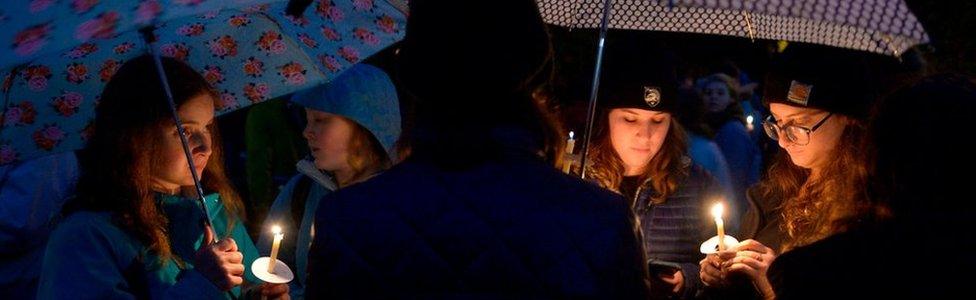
673	231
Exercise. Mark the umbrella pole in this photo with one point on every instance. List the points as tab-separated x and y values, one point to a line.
591	111
150	44
147	35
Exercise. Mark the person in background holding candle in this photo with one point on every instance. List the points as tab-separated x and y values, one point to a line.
136	228
702	149
639	150
818	98
480	209
353	126
726	119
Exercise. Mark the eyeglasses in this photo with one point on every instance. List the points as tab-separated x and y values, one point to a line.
795	134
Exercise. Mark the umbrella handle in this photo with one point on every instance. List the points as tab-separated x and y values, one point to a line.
591	111
149	37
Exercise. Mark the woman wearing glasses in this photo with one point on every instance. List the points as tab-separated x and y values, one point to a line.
815	187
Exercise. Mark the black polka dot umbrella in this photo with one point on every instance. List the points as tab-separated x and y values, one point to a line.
880	26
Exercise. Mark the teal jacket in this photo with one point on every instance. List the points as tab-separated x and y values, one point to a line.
89	256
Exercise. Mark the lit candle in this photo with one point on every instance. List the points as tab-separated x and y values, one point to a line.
570	144
717	211
274	247
749	120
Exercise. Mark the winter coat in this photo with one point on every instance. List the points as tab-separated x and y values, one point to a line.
511	228
922	256
673	231
763	221
90	256
31	196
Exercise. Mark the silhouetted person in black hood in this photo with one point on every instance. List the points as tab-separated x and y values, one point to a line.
478	210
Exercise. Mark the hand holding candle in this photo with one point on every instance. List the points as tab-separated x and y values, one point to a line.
717	212
274	247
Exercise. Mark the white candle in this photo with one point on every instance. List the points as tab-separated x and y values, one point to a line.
717	211
570	144
274	247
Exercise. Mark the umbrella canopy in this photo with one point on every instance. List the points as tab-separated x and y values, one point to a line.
880	26
249	55
37	28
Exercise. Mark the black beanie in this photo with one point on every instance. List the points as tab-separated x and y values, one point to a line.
648	83
832	79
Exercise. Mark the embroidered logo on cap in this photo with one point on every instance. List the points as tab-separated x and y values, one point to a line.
799	92
652	96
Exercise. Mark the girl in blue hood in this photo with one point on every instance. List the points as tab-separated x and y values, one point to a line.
353	126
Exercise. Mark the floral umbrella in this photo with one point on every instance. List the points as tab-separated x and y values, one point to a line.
249	55
37	28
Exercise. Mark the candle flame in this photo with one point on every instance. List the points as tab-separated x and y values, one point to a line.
570	135
276	229
749	119
717	210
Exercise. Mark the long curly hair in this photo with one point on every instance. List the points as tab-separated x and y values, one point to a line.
117	166
814	209
666	169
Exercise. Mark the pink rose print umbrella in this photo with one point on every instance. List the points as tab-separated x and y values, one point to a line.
36	28
59	61
249	54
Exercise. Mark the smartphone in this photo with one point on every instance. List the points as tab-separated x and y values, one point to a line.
657	266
